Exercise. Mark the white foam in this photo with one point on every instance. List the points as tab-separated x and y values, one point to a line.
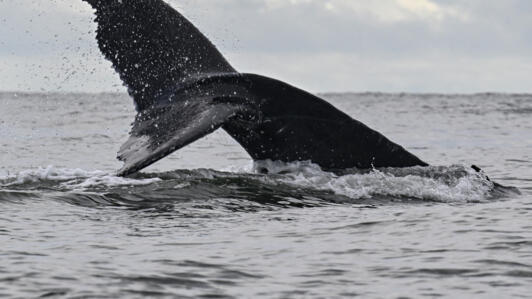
49	173
108	181
71	178
283	167
443	184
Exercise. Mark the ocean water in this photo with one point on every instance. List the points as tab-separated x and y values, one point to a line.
204	223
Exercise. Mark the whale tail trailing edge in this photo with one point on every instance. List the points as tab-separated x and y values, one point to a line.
184	89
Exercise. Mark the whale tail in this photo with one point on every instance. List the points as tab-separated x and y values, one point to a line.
269	118
184	89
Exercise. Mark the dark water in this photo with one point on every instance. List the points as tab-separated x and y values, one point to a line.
204	223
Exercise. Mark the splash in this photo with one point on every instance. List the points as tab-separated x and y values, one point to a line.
455	183
267	181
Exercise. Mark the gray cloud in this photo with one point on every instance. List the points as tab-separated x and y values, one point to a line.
321	45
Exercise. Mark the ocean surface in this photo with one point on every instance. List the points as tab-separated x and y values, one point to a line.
205	223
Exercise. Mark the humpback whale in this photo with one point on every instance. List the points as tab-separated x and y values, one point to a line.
184	89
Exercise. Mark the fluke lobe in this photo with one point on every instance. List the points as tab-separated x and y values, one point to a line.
184	89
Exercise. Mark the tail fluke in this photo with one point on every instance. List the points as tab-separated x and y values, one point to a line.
160	131
153	47
270	119
184	89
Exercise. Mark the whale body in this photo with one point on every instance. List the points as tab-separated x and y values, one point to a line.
184	89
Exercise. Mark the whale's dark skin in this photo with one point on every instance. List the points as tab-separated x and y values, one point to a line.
184	89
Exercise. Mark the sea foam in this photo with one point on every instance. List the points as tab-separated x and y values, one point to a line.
454	183
72	178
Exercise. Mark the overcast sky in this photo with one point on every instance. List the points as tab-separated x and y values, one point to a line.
448	46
